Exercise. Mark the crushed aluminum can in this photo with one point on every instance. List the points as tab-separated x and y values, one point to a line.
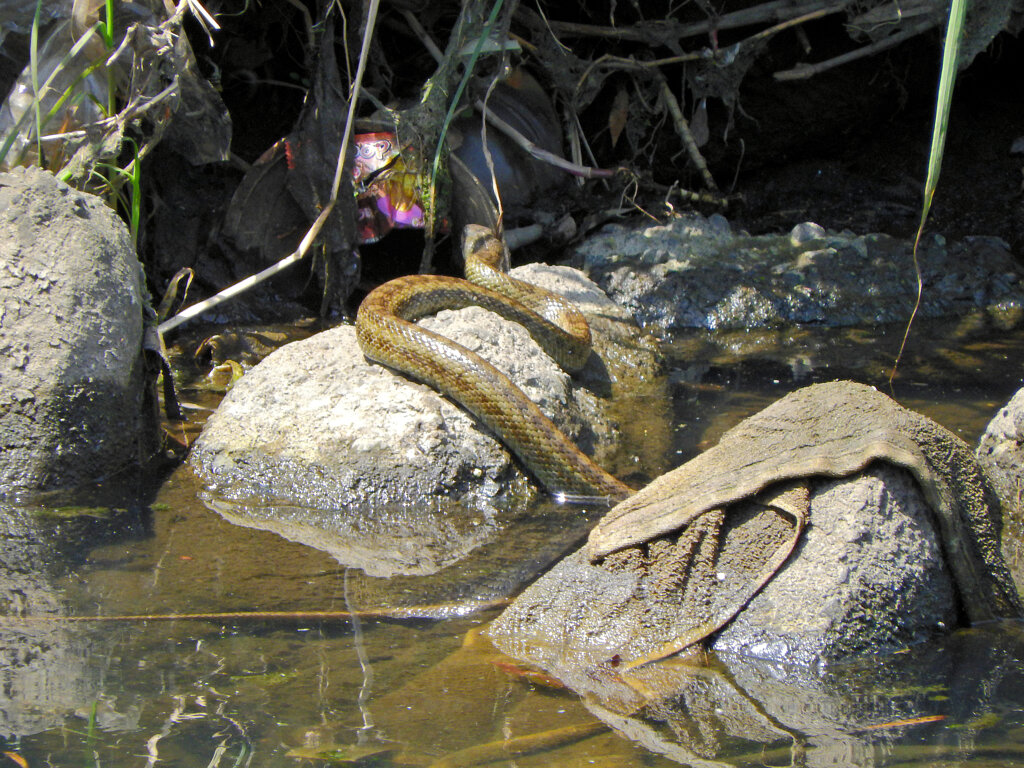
387	187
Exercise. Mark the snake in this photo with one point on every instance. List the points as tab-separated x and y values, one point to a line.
387	334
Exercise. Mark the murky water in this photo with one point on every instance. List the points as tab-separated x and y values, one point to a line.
314	678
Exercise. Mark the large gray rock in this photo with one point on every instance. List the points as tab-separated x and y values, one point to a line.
867	575
73	392
795	538
317	438
696	272
1001	453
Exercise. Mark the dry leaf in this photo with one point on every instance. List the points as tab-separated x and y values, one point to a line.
618	115
699	124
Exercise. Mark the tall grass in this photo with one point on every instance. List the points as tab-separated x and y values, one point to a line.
120	185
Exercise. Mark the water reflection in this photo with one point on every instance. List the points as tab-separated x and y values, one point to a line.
956	696
49	667
279	695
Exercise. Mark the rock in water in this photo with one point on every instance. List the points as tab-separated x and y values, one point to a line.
696	272
318	438
74	405
1001	453
679	560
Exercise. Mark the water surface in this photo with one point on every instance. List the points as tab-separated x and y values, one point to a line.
307	688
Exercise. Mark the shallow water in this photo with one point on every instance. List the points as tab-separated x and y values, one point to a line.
295	690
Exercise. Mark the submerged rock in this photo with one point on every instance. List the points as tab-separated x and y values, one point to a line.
696	272
74	399
316	433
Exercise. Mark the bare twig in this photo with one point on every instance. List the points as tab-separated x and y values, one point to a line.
243	285
408	612
537	152
481	106
307	21
892	15
796	20
705	198
683	129
804	71
628	64
520	746
706	54
656	33
424	36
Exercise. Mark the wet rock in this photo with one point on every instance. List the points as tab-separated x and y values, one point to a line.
872	558
1001	453
74	404
695	272
316	428
868	575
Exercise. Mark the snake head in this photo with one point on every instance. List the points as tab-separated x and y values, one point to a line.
482	242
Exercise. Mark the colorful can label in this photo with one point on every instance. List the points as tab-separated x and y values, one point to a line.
387	187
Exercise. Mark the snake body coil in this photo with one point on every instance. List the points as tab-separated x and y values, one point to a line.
387	334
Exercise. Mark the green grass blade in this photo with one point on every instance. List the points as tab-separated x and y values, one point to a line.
950	61
454	105
108	40
108	25
135	178
42	122
943	99
34	73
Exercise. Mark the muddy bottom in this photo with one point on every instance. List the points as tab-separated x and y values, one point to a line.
288	659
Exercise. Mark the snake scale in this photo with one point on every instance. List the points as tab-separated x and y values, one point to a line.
387	334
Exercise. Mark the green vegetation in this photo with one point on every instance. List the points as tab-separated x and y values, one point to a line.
947	78
62	102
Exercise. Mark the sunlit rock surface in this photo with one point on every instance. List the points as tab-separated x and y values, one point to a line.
868	575
697	272
832	523
316	438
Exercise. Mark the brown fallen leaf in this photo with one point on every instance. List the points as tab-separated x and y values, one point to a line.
618	115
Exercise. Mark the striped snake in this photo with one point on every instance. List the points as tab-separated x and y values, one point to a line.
387	334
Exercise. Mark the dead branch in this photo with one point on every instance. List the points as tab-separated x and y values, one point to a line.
774	11
683	129
804	71
537	152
